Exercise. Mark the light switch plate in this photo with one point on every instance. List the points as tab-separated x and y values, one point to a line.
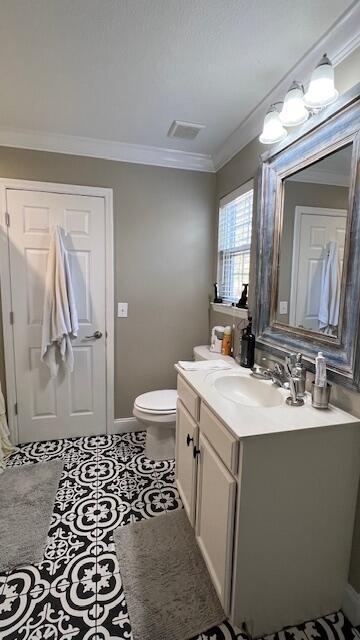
283	307
122	310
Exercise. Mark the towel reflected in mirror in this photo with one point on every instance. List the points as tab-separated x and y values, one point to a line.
330	291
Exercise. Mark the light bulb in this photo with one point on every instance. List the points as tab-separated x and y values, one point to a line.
321	91
294	112
273	131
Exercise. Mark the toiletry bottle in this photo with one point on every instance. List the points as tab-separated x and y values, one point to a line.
320	370
299	373
247	356
217	335
226	343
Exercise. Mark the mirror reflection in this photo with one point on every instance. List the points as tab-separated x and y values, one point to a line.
311	261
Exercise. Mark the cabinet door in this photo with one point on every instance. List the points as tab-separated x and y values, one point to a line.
187	434
215	518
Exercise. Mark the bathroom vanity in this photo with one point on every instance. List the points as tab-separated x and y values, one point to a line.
270	491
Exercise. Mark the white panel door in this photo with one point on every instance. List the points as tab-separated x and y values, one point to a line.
314	229
72	404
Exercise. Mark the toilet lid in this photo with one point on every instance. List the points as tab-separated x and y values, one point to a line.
157	401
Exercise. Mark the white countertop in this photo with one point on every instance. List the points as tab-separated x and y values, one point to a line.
245	421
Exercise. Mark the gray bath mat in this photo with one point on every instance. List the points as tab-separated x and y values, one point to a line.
168	590
27	495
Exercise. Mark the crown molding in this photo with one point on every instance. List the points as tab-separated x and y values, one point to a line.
105	149
339	42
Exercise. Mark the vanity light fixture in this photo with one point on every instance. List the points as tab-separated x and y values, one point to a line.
297	107
321	91
273	131
294	111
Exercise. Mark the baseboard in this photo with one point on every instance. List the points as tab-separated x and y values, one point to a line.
351	605
124	425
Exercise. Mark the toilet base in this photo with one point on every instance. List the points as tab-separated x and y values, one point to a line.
160	442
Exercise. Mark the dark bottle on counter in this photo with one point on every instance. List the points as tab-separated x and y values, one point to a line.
247	355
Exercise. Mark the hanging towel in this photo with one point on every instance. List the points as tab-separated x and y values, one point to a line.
5	445
60	320
204	365
330	291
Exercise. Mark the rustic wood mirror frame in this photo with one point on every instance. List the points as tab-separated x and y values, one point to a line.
324	133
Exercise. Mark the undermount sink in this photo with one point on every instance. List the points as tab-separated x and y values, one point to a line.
248	391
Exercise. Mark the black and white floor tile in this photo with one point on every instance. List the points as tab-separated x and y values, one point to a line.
76	592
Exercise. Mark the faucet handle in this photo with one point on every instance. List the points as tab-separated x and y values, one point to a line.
279	368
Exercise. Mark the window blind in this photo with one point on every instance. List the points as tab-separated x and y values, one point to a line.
234	240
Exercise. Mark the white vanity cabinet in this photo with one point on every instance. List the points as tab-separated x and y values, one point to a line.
273	513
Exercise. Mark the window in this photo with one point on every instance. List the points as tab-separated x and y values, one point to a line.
235	219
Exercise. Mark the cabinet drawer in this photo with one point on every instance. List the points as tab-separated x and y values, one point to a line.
189	398
225	445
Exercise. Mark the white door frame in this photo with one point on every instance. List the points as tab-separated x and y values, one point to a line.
5	281
299	211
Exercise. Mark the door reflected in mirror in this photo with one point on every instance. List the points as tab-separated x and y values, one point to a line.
312	243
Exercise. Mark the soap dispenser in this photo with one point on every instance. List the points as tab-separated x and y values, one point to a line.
247	354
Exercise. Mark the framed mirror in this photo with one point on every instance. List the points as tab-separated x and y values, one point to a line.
308	242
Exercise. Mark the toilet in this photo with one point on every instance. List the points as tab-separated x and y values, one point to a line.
156	410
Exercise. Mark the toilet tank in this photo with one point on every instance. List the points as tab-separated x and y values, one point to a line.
203	353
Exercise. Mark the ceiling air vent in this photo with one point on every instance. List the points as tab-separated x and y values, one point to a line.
184	130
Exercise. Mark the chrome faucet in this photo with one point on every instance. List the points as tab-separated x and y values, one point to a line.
296	397
285	376
278	375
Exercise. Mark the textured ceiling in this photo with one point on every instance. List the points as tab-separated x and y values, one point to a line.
123	70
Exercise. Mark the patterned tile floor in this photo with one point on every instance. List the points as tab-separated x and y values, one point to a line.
76	592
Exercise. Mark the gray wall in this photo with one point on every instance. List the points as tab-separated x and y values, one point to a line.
239	170
309	195
163	236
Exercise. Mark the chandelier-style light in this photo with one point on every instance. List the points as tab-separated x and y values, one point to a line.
294	111
273	131
321	91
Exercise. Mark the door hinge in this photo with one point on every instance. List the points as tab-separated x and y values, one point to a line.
11	317
7	219
16	408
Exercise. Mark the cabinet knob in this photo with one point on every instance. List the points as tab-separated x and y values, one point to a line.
188	440
195	451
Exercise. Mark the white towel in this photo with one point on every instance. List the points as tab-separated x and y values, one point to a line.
330	291
204	365
60	320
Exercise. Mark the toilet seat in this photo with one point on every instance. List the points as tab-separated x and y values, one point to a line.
155	413
161	402
154	418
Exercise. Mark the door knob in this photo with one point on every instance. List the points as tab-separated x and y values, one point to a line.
188	440
95	336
